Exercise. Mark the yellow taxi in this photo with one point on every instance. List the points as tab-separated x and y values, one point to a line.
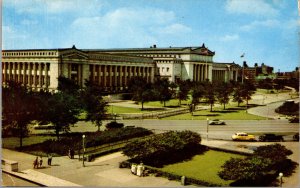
241	136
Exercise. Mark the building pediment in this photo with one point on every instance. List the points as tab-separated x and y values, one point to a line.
74	54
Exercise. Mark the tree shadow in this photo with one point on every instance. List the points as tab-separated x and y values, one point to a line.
152	109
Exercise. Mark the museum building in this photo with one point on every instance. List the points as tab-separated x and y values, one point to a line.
112	68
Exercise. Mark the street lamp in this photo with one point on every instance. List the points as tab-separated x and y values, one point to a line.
207	128
280	176
83	146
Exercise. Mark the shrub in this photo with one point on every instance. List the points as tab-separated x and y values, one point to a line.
165	148
114	125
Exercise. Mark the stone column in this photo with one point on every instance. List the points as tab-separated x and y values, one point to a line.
40	75
105	75
125	75
4	72
121	74
110	75
152	74
46	75
35	74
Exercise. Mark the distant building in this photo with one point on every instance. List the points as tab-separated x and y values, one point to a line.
257	72
288	75
112	68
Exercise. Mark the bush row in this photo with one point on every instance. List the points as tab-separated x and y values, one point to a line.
93	139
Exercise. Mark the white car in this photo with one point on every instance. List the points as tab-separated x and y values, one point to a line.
216	122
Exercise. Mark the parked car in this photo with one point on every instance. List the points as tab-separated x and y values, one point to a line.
296	137
294	120
216	122
242	137
270	137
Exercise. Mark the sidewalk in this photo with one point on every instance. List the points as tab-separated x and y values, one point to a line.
105	171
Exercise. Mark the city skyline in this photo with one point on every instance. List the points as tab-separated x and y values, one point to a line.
265	31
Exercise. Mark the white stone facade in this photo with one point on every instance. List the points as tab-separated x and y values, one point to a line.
112	68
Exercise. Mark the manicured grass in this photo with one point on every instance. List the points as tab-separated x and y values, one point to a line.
203	167
170	103
13	142
231	112
121	109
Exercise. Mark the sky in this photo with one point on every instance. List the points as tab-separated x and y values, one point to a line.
266	31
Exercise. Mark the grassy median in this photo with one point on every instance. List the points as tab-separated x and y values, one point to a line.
203	167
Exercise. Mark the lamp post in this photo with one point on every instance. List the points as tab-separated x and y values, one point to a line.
83	146
207	128
280	176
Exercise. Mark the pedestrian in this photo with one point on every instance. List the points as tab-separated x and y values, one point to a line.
41	162
35	163
49	159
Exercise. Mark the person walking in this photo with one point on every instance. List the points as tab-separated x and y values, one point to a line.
41	162
49	159
35	163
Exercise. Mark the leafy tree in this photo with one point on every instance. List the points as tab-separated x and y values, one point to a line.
247	91
210	94
67	85
198	92
62	112
93	103
158	147
223	92
184	87
162	89
254	169
237	94
275	152
141	89
247	169
19	107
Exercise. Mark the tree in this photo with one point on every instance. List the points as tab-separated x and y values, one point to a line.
237	94
198	92
63	111
20	107
93	103
162	89
184	87
142	90
244	169
247	90
67	85
255	169
210	94
223	92
157	148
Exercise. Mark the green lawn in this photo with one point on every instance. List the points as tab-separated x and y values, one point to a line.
203	167
13	142
121	110
171	103
231	112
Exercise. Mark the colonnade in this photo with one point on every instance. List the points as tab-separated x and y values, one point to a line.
32	74
219	75
110	77
200	72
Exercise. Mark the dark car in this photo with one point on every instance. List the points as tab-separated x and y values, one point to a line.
270	137
294	120
296	137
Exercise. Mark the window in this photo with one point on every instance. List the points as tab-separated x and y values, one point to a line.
168	69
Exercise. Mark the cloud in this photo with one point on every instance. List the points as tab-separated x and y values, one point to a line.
126	26
175	28
260	24
253	7
29	22
54	6
228	38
